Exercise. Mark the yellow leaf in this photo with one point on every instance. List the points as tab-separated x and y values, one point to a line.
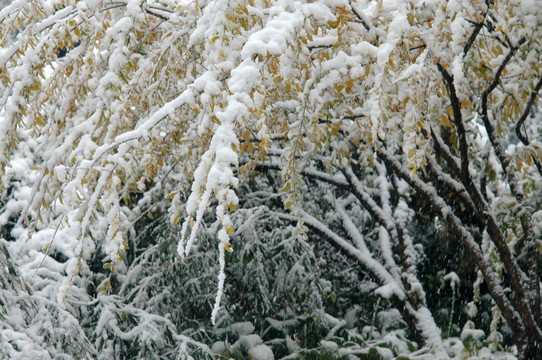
39	121
215	120
286	187
229	229
228	248
171	195
105	286
333	24
445	120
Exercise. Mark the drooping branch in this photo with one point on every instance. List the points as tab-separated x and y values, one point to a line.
424	328
393	227
476	31
372	267
492	132
495	288
483	172
517	276
524	138
442	150
458	121
351	184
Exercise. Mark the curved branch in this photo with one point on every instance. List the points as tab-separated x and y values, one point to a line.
524	138
517	276
458	120
373	268
418	318
476	31
442	150
495	288
492	132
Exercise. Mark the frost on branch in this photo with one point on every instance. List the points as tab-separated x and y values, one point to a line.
384	126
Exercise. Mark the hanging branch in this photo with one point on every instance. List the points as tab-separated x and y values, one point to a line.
492	132
495	288
524	138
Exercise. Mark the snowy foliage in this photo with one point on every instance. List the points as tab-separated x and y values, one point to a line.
266	179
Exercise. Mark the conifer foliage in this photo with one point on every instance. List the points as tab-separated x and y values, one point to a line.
263	178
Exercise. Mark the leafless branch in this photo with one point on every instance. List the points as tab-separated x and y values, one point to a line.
524	138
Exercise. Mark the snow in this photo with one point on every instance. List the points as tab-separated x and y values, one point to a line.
329	346
453	278
475	334
94	167
375	269
243	328
218	347
261	352
247	342
167	110
431	332
386	291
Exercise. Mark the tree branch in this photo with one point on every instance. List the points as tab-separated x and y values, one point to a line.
476	31
458	120
483	171
442	150
492	132
517	276
532	268
495	289
360	18
524	138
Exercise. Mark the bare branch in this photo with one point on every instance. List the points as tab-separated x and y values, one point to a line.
462	134
442	150
359	17
483	171
524	138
